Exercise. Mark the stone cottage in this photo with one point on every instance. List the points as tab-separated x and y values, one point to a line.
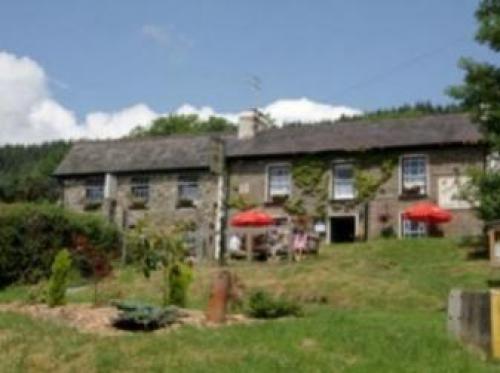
352	179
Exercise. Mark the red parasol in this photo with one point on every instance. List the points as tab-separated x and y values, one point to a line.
427	212
251	218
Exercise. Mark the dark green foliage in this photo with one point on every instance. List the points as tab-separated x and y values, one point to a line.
488	16
183	124
58	281
407	111
31	233
138	316
25	171
480	95
484	190
261	305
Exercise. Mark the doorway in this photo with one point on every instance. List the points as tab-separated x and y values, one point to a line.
342	228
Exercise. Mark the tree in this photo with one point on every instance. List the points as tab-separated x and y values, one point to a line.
480	95
183	124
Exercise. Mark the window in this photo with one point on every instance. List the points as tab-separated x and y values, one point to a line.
414	175
187	187
413	228
343	181
278	181
139	187
94	189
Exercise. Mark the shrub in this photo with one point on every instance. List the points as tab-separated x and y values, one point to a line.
264	306
180	276
59	279
137	316
31	233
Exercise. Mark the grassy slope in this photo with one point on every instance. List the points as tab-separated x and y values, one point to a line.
384	312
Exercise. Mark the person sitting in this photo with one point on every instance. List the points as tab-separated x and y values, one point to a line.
299	244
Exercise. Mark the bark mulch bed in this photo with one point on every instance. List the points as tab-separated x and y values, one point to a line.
87	318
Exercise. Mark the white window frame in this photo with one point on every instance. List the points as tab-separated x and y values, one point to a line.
427	173
401	231
333	194
269	195
140	187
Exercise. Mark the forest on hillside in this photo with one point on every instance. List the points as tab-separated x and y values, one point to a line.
25	171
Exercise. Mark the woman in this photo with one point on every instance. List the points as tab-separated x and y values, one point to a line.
299	244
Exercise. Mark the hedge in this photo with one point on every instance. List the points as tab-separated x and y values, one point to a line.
32	234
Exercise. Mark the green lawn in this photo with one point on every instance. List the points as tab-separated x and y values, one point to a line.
376	307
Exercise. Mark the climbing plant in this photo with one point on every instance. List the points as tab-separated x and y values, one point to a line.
367	183
311	177
241	202
308	173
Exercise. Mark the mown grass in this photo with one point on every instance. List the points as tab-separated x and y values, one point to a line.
374	307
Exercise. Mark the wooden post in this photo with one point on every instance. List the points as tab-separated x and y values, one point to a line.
249	246
495	323
219	297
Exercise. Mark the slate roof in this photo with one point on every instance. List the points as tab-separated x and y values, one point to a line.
359	135
189	152
132	155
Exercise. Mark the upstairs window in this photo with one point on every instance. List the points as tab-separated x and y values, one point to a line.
279	183
94	189
412	229
139	187
414	175
187	190
343	181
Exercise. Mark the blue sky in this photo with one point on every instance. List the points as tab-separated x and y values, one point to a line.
101	55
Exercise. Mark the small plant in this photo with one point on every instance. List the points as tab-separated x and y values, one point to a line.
180	277
138	316
59	279
261	305
96	262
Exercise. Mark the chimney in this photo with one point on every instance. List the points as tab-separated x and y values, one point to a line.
251	122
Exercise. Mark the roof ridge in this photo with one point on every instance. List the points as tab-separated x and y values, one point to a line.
154	138
363	121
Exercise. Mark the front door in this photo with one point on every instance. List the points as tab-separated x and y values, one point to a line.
342	229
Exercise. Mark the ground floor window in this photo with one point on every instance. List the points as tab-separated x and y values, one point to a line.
94	189
411	228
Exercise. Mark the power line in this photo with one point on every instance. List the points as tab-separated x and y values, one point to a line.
401	66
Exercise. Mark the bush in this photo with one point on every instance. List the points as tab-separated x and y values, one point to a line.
137	316
263	306
31	233
59	279
179	278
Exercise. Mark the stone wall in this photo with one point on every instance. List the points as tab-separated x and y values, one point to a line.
249	178
161	209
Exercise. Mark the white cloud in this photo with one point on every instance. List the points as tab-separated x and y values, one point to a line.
120	123
29	113
306	111
282	111
205	112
